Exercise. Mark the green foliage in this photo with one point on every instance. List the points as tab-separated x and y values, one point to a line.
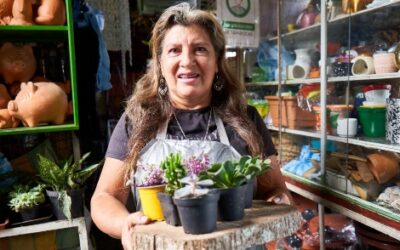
23	197
69	176
174	171
235	173
194	187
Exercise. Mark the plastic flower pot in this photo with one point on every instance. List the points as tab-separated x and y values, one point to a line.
248	197
30	213
151	205
373	121
231	204
76	203
169	209
199	215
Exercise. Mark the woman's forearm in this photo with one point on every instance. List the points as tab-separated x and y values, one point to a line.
109	214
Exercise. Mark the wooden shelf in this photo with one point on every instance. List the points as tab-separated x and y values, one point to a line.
79	223
368	213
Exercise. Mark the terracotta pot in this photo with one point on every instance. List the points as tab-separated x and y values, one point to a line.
383	166
3	224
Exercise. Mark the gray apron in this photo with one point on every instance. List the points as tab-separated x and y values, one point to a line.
160	147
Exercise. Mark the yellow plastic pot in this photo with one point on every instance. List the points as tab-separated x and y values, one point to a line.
151	206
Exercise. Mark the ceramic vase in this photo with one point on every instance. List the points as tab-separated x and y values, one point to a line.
384	62
393	120
302	64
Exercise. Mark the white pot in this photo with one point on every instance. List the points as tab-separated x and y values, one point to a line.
302	64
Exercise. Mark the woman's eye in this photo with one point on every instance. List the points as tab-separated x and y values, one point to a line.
173	51
201	49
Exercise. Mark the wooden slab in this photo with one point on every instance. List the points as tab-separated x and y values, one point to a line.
262	223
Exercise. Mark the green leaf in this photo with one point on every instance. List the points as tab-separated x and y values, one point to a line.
65	204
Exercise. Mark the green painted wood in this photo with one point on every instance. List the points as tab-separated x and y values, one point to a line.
45	33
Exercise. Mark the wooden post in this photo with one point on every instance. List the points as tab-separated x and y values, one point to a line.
262	223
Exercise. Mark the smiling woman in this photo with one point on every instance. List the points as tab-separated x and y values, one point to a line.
189	102
189	65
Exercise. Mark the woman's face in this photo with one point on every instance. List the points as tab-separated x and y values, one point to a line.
188	64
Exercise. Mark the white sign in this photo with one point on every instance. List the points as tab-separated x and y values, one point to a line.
240	20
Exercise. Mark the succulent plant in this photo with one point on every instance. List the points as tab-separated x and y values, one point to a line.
233	173
194	187
149	175
174	171
196	165
23	197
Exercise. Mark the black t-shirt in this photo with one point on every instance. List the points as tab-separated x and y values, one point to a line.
194	125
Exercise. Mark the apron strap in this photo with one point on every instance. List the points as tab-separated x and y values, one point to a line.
162	132
223	137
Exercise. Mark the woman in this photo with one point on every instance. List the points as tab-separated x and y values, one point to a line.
189	97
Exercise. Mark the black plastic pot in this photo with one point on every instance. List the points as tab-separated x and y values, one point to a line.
248	196
231	203
76	203
30	213
169	209
199	215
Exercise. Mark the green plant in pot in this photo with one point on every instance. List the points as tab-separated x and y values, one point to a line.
66	181
149	181
251	167
174	171
231	177
27	200
197	206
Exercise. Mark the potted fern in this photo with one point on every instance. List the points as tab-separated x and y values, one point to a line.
27	200
64	183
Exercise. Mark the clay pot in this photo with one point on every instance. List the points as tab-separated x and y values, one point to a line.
3	224
383	166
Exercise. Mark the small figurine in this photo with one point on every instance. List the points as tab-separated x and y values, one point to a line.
39	102
6	120
22	13
4	96
51	12
5	11
17	63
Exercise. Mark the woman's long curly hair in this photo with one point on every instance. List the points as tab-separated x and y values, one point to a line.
147	110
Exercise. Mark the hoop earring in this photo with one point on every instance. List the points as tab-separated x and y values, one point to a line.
218	84
162	87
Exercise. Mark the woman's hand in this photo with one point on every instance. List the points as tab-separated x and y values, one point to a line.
131	220
280	197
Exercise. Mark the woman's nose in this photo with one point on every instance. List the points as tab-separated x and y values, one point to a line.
187	58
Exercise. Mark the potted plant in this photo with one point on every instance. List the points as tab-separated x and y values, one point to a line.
231	177
197	206
150	182
66	183
26	200
174	171
251	167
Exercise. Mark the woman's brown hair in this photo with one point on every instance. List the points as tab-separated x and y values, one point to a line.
147	110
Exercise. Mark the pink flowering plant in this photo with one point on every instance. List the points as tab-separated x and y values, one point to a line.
149	175
195	165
